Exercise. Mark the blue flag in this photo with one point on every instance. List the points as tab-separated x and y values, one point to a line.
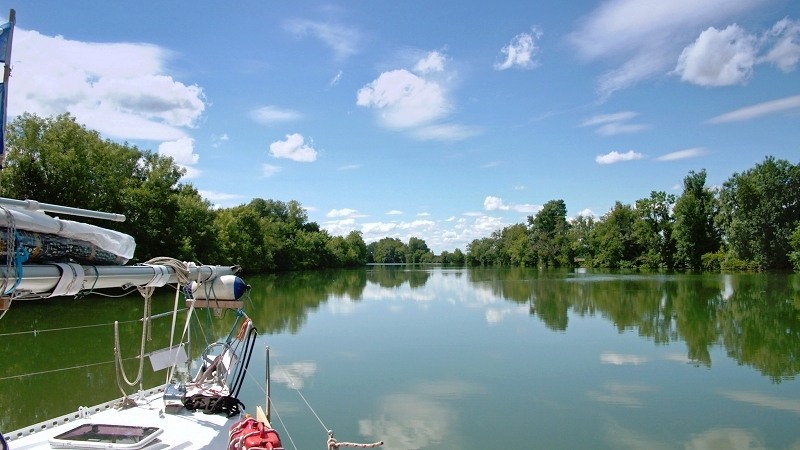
6	31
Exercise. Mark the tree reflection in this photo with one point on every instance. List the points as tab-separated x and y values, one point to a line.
756	317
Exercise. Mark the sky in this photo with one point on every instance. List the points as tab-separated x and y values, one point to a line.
442	120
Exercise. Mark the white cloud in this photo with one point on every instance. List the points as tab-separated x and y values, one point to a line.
269	170
416	101
646	36
342	40
683	154
445	132
615	157
785	53
119	89
344	212
294	148
759	110
520	52
404	99
616	123
335	80
219	197
492	203
182	151
432	62
394	212
273	114
349	167
719	58
216	141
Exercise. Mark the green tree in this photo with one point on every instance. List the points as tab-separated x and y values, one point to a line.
759	210
482	252
794	255
580	237
515	246
653	230
417	251
389	251
613	239
549	235
695	231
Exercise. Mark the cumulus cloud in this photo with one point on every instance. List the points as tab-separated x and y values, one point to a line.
119	89
273	114
683	154
760	110
431	63
719	58
785	39
728	56
417	100
520	52
294	148
646	38
616	123
491	203
405	100
344	212
182	152
339	38
615	157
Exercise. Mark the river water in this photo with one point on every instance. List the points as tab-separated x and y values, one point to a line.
436	358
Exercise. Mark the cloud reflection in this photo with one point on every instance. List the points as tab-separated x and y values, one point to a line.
725	439
420	418
619	359
620	394
294	375
765	401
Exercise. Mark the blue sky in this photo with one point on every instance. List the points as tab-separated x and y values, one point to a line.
444	120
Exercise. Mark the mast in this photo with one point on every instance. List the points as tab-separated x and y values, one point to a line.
6	36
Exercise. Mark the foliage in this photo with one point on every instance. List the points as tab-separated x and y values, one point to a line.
695	233
759	210
549	235
751	223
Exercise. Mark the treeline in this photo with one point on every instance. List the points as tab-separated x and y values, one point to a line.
751	222
56	160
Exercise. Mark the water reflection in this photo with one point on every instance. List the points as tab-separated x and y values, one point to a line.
764	401
755	317
620	394
419	418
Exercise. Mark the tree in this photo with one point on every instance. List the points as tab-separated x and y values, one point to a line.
613	239
515	246
759	210
549	234
653	230
59	161
695	232
417	251
389	251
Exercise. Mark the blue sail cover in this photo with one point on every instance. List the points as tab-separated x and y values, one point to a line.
5	53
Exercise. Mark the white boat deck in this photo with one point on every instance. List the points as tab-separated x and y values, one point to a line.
182	430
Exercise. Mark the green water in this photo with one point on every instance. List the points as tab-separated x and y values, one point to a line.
432	358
